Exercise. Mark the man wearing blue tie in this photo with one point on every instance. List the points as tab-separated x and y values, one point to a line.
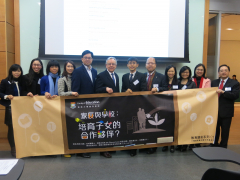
108	81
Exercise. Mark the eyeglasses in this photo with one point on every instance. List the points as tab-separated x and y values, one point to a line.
87	58
200	69
113	64
150	63
37	65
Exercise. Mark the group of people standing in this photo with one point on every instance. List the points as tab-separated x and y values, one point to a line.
85	80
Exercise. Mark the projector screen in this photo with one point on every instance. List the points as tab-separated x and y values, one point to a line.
119	28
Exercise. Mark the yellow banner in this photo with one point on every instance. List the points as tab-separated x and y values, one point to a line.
39	128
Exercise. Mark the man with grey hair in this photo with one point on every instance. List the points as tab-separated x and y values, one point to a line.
108	81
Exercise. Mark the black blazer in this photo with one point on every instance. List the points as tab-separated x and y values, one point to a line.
105	80
160	80
140	86
7	88
226	100
190	84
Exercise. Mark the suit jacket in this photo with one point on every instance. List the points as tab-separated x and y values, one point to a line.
81	81
226	100
160	80
206	83
7	88
190	84
140	86
105	80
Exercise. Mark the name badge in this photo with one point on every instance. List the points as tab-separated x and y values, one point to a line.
228	88
39	81
155	85
184	87
175	86
136	82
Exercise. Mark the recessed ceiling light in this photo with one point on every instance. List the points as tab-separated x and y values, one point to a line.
229	29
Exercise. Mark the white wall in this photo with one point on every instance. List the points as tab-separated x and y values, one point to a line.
29	37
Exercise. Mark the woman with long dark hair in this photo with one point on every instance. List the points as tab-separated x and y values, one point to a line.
13	85
185	82
172	81
49	83
34	76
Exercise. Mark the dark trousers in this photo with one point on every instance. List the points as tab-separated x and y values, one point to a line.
11	136
224	124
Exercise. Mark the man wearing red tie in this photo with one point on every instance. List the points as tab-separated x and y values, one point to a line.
228	92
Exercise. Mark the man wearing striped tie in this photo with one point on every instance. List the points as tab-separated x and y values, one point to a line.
155	83
228	92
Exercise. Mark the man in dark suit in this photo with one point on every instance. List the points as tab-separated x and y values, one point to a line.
155	83
83	79
228	92
108	81
133	81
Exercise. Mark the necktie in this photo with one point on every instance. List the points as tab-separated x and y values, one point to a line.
221	87
148	83
131	77
113	79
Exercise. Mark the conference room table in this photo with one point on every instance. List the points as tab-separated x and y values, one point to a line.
217	154
15	172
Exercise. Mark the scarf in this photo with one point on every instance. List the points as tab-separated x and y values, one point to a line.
53	90
201	82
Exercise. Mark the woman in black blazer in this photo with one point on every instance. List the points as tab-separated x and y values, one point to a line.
34	76
171	80
185	82
13	85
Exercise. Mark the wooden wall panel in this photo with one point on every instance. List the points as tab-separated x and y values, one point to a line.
3	127
10	38
10	60
10	11
234	137
2	10
2	36
17	31
3	65
205	40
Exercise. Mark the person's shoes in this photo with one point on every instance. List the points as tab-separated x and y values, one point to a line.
85	155
191	146
13	151
133	152
198	145
67	155
178	148
151	150
106	154
165	148
52	156
184	148
172	150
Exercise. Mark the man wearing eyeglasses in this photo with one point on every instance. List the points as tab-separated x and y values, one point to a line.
155	83
228	92
108	81
83	79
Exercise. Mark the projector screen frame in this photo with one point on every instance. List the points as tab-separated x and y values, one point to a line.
43	56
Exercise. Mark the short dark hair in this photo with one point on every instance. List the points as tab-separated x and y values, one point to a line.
234	75
153	58
53	63
184	68
174	77
87	52
64	69
15	67
222	66
132	59
194	76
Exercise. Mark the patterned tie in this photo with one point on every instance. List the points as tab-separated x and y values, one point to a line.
131	78
113	79
221	87
148	83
